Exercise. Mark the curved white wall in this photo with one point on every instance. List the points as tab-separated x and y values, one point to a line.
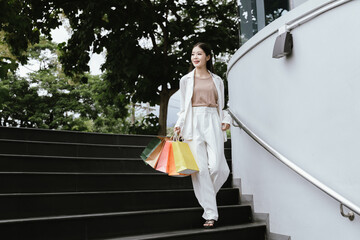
307	107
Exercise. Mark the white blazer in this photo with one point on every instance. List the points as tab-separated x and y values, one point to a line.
186	92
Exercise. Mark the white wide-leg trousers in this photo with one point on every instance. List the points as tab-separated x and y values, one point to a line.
207	147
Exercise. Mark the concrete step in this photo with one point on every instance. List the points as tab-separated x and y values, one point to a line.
100	226
36	134
35	163
22	147
15	206
42	182
248	231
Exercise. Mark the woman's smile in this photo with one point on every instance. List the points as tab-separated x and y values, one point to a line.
199	58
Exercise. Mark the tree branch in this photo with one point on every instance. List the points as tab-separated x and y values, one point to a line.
153	40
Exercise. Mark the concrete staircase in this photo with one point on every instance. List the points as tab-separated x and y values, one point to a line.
72	185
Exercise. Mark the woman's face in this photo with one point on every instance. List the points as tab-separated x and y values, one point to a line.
199	58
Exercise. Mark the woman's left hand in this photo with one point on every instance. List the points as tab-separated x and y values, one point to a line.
225	126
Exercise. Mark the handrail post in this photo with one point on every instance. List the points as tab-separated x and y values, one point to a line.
350	214
235	124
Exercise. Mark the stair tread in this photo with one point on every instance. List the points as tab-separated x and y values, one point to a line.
72	143
196	231
23	132
71	157
68	157
19	133
95	174
75	157
103	192
78	143
69	131
85	173
112	214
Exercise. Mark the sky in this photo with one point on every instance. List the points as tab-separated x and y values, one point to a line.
61	34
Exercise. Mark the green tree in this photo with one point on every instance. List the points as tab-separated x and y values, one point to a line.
20	25
274	9
47	98
44	99
13	112
148	43
8	61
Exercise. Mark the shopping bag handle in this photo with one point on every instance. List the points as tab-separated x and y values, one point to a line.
176	137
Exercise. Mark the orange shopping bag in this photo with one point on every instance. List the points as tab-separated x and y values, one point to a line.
162	164
171	164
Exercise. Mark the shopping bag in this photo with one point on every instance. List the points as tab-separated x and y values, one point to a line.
162	164
171	167
151	153
184	160
155	154
154	143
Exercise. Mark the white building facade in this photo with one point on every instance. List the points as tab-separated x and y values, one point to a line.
307	107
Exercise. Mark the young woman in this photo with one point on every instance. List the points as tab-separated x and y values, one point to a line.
202	123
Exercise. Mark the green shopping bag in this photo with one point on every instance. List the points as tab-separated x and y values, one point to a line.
152	151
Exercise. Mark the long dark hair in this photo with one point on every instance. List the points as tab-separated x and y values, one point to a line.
207	49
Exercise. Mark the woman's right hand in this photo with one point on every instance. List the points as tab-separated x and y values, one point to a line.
177	130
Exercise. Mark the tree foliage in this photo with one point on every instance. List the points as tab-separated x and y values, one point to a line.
147	42
274	9
20	25
44	99
49	99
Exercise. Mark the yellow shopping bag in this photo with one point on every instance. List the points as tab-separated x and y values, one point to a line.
184	160
171	167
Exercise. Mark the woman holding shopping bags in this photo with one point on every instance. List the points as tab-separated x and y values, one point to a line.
203	123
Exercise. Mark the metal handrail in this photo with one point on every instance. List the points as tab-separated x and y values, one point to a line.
343	201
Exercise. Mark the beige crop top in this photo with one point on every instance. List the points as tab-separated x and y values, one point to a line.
205	93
